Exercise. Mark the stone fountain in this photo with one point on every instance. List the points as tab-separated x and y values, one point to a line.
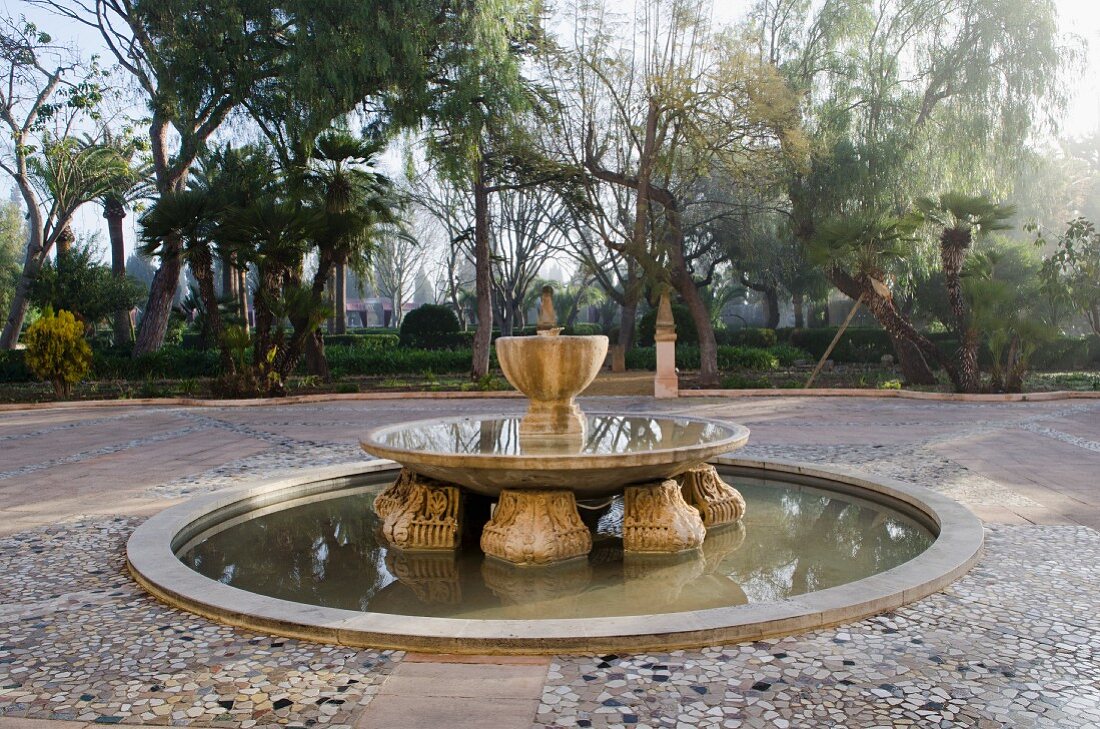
538	466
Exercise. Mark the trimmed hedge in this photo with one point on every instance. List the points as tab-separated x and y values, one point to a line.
345	361
369	341
747	337
687	358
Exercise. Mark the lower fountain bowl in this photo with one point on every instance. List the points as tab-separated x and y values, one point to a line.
459	602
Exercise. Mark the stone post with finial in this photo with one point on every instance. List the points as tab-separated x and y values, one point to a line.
666	383
547	324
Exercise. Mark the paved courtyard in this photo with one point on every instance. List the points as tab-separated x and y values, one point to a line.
1015	643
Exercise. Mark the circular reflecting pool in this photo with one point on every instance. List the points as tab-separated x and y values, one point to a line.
326	551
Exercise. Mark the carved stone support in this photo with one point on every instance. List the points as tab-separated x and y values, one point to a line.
396	494
657	519
718	502
535	527
420	513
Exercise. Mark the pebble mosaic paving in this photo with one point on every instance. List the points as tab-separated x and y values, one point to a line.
1015	643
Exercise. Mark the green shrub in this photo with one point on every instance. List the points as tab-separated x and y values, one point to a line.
747	358
744	382
583	329
57	351
787	355
747	337
686	333
13	366
429	326
859	344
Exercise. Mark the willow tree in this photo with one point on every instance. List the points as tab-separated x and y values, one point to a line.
902	97
473	135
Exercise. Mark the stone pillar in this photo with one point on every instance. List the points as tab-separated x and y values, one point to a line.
657	519
666	384
535	527
718	502
420	513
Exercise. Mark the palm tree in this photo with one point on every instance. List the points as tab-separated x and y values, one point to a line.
355	200
860	251
963	218
132	184
191	216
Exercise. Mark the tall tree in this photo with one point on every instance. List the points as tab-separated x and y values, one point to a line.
899	97
194	61
473	135
693	104
45	93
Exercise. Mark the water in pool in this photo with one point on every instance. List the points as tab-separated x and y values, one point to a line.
793	539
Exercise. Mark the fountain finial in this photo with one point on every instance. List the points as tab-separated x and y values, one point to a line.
547	324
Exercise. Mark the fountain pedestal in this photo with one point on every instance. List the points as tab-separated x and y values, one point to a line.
536	527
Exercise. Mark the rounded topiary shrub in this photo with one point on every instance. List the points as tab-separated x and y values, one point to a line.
431	326
57	351
686	333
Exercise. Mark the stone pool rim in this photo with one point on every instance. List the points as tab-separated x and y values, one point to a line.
151	559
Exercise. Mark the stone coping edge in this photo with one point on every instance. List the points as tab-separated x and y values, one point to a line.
153	563
478	394
900	394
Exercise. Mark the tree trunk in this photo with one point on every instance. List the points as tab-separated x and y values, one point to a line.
914	368
154	319
799	310
229	278
896	325
483	276
17	312
114	212
685	284
341	294
242	295
202	266
627	323
316	361
953	246
771	299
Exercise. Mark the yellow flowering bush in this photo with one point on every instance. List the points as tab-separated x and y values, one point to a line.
57	351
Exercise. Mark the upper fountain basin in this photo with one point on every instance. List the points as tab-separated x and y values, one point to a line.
551	368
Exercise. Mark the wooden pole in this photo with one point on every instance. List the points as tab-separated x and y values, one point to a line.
832	344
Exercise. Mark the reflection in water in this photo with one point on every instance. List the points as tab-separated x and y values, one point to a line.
793	540
603	434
